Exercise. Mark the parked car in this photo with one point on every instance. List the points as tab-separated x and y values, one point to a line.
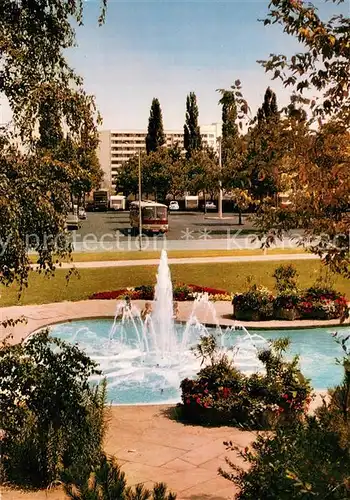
210	205
72	222
82	213
174	205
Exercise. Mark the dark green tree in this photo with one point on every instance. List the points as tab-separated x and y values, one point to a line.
262	183
155	135
268	111
229	126
192	134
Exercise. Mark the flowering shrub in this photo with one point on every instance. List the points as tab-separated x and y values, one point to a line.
318	302
257	298
181	293
287	301
221	394
323	303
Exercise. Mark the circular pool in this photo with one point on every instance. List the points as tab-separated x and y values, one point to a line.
135	376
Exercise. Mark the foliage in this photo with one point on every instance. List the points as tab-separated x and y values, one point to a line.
257	298
192	134
318	178
233	146
286	278
324	65
155	135
52	419
107	481
45	97
316	302
259	151
306	459
222	394
242	200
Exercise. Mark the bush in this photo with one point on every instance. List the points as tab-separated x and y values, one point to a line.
320	301
256	298
286	278
221	394
50	417
307	459
107	481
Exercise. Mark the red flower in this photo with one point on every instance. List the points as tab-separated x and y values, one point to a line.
226	392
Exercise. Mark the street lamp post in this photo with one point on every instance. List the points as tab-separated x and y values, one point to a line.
220	181
140	209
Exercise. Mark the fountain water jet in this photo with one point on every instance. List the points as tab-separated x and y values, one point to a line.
145	361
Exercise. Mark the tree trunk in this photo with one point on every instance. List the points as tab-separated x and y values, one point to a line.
240	222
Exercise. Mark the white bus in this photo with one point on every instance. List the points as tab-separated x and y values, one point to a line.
154	216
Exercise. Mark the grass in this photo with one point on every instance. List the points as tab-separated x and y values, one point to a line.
179	254
227	276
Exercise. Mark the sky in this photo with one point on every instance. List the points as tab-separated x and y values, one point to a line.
168	48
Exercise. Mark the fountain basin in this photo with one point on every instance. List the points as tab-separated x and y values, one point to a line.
138	377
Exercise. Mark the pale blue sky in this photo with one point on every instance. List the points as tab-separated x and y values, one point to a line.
167	48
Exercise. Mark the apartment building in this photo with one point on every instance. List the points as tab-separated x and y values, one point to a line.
117	146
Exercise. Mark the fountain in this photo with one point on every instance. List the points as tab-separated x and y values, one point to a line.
144	360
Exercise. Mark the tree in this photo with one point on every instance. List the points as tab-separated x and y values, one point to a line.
269	110
315	163
242	200
44	95
192	134
324	66
259	147
51	417
203	172
234	108
229	127
155	135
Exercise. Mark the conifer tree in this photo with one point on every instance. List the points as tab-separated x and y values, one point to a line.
155	135
192	134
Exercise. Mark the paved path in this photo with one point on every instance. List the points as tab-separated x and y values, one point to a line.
190	260
152	447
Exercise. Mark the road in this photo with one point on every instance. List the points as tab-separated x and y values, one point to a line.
187	230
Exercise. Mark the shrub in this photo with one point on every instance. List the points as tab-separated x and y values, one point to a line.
50	416
286	278
256	298
287	301
307	459
107	481
221	394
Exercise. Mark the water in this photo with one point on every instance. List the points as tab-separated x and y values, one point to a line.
134	377
146	356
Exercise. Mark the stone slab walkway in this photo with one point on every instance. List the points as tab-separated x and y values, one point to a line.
152	447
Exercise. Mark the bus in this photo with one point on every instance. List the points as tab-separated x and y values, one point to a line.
154	216
101	200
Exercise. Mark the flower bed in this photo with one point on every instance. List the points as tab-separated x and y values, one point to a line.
180	292
222	395
317	302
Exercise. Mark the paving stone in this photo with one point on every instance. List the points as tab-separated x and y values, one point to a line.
208	490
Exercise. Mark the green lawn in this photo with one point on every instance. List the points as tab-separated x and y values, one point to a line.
173	254
228	276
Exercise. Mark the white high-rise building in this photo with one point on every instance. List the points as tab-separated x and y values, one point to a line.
117	146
